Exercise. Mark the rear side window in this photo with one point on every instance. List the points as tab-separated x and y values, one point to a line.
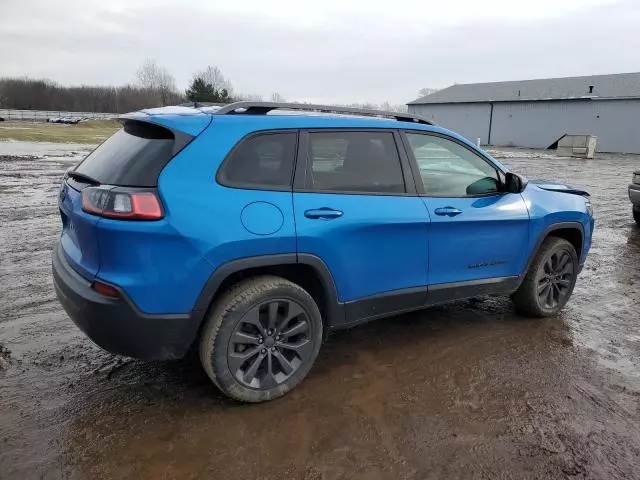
261	160
360	162
134	156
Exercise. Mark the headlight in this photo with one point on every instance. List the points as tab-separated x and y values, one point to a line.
636	178
589	207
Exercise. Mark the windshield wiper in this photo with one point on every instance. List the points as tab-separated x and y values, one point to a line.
82	177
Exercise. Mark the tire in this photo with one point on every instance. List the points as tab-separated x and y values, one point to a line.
549	282
243	357
636	215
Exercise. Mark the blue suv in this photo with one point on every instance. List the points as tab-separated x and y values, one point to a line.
252	230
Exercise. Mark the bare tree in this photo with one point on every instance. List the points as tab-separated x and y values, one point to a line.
213	75
157	79
148	74
423	92
26	93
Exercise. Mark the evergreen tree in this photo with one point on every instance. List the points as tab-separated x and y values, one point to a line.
200	91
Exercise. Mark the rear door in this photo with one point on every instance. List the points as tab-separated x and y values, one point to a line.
356	208
478	231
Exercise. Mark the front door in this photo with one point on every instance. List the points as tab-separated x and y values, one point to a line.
478	232
353	211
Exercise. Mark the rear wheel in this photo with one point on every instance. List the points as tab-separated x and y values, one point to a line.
636	215
261	339
550	280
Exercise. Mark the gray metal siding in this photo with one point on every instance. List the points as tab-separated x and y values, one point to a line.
539	124
616	123
471	120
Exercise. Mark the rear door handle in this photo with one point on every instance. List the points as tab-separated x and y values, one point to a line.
325	213
448	211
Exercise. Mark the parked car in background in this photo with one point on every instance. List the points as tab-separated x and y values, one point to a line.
634	196
252	235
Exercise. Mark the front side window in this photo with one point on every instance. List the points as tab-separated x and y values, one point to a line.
449	169
361	162
262	160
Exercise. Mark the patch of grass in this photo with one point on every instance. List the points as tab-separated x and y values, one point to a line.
93	131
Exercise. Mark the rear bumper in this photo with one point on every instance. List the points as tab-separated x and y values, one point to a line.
634	194
117	325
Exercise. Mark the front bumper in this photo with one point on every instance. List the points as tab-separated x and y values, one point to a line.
115	324
634	194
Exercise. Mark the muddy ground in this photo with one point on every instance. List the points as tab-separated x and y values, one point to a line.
468	390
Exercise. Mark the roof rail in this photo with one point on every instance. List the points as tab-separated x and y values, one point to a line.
262	108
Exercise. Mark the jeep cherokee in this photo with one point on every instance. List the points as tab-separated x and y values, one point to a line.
252	230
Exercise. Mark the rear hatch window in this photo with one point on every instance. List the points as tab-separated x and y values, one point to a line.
134	156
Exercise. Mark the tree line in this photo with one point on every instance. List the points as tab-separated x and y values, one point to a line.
154	86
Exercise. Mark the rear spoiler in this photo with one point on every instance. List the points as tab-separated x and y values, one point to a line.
182	120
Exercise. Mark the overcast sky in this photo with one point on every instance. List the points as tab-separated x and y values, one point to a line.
326	51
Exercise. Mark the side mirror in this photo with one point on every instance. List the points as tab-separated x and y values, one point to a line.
514	183
484	186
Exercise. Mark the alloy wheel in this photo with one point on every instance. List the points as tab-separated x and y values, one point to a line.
555	281
270	343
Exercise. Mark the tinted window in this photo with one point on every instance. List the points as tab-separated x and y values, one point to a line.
133	156
450	170
365	162
265	159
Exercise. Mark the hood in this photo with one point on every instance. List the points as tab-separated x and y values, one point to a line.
559	187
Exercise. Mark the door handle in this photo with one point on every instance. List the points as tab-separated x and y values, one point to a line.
448	211
325	213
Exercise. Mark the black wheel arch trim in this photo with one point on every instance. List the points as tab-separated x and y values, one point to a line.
550	229
334	309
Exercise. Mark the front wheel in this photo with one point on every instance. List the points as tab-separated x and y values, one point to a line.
549	281
636	215
261	339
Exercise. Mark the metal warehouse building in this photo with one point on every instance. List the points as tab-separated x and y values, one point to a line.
536	113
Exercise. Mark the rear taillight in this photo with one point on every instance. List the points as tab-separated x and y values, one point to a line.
120	203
